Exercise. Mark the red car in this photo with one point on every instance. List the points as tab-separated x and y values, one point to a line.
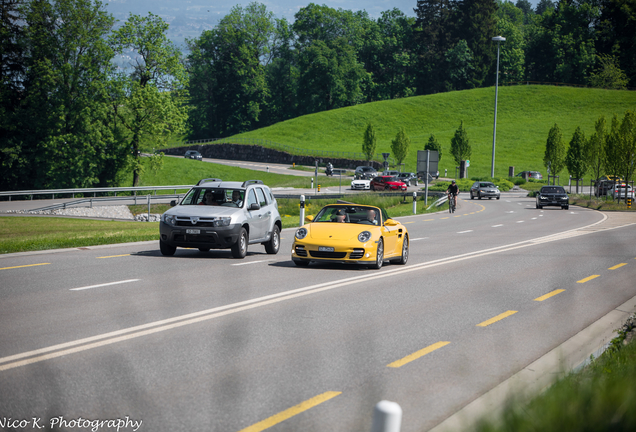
387	183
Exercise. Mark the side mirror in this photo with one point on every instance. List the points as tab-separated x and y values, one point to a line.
173	203
309	218
390	222
254	206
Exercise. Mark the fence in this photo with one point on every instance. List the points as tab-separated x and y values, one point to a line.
94	191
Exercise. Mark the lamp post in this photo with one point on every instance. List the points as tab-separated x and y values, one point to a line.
498	39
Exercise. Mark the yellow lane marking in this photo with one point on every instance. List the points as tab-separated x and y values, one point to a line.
427	220
458	216
447	217
589	278
417	354
114	256
290	412
404	223
617	266
22	266
497	318
548	295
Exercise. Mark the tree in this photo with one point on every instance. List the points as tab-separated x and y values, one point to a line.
575	156
595	148
154	95
627	146
543	6
400	146
369	141
460	144
612	159
616	34
460	66
477	26
608	74
433	144
554	156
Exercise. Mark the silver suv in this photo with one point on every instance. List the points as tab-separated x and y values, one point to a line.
220	215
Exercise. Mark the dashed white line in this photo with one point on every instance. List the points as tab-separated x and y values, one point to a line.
103	285
419	238
495	226
520	221
464	232
253	262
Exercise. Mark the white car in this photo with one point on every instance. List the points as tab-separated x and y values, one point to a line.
618	191
361	184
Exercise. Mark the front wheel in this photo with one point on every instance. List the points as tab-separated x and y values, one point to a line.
273	245
239	249
379	256
166	249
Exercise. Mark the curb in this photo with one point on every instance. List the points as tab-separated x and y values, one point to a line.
571	355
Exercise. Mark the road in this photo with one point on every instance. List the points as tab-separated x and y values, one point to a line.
201	341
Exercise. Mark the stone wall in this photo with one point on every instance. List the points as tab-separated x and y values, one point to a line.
253	153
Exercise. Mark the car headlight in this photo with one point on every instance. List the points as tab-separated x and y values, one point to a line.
364	236
169	219
301	233
222	221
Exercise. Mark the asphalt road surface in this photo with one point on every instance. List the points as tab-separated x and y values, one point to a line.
202	341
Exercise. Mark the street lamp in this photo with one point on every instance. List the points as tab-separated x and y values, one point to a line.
498	39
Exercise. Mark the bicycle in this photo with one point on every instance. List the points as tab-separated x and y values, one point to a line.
451	204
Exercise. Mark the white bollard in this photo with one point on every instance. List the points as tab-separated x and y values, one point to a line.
387	417
414	202
302	210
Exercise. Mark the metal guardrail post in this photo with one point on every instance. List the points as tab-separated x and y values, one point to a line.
148	208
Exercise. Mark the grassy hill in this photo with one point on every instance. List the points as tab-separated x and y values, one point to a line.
525	114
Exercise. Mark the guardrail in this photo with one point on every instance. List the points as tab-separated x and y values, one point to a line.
94	191
144	198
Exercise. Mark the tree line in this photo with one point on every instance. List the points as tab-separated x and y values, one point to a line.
69	117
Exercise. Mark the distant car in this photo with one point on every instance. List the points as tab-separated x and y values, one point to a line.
361	184
407	177
193	154
393	173
387	183
222	215
553	196
536	175
351	234
365	172
604	185
620	190
484	190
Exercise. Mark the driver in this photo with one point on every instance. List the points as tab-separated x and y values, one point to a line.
453	190
371	217
236	198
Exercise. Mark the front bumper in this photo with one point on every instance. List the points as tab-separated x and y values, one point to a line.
208	237
553	202
362	254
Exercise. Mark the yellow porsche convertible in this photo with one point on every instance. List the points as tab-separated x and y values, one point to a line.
351	233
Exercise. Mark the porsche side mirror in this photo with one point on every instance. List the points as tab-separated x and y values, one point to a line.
390	222
309	218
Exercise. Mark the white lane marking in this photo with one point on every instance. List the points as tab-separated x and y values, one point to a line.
464	232
103	285
519	221
495	226
253	262
420	238
55	351
511	211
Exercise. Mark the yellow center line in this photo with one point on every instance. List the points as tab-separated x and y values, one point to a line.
445	217
114	256
404	223
290	412
22	266
617	266
458	216
548	295
589	278
497	318
417	354
427	220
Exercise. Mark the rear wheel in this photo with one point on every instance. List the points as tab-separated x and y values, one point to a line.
379	256
273	245
239	249
472	196
166	249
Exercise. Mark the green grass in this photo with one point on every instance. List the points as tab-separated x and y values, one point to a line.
600	203
600	398
22	234
525	115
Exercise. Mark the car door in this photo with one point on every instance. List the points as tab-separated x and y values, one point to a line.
390	234
255	217
266	213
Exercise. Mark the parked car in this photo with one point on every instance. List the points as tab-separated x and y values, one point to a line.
620	190
604	185
222	215
365	172
193	154
484	190
351	234
361	184
387	183
536	175
407	177
553	196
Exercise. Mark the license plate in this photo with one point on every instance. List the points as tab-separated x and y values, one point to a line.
325	249
193	231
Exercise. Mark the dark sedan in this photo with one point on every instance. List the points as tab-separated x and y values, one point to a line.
554	196
193	154
387	183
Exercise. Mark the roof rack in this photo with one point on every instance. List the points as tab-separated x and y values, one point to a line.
209	180
249	182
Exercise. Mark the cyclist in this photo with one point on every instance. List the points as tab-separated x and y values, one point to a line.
453	190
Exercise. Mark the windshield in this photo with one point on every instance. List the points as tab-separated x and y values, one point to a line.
553	189
349	214
486	185
215	197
